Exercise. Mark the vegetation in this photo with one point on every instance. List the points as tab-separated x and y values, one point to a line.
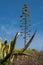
11	56
7	56
25	23
12	46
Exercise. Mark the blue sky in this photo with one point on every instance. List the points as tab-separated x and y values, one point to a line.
10	11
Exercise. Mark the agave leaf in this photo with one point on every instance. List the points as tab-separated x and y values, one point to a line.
28	43
13	42
20	54
12	45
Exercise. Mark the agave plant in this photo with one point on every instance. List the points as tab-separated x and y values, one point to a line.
12	47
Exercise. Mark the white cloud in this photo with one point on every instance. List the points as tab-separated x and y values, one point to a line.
7	31
37	23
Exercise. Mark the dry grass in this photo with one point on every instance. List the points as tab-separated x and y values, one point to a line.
36	59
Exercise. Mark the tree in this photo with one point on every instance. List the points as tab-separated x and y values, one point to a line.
25	23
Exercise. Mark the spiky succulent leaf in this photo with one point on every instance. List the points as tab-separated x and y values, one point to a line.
28	43
20	54
12	45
